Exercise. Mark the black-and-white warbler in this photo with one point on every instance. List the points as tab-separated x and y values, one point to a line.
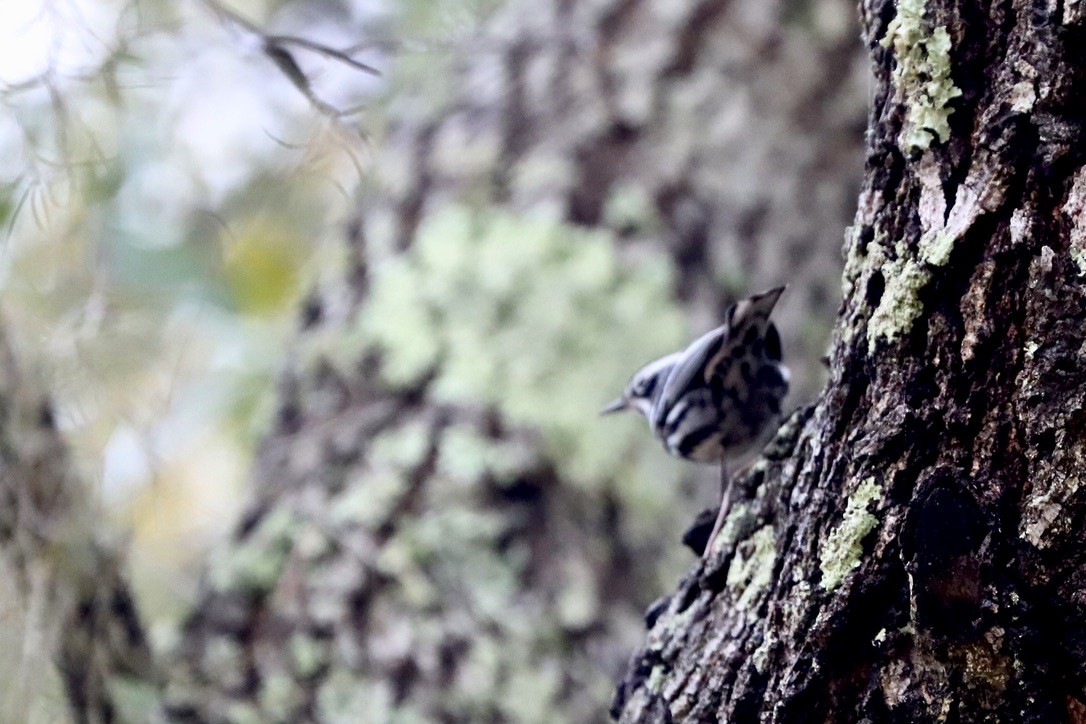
720	398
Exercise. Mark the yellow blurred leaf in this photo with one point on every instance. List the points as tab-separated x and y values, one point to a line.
262	267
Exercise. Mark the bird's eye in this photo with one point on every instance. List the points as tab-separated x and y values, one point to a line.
643	388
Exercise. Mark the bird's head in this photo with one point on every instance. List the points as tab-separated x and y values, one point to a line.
643	387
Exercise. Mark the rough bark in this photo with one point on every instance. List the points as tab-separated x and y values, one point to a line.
912	548
412	549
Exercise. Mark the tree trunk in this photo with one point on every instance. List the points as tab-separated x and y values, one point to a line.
912	548
441	526
62	586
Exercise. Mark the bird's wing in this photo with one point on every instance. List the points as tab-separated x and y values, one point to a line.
714	350
688	370
747	322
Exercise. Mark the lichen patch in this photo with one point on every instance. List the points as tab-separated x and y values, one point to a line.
498	304
843	548
922	76
900	304
752	571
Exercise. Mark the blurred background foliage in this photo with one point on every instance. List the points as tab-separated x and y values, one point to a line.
165	196
169	197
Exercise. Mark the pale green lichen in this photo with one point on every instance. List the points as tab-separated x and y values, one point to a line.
244	713
760	657
492	683
415	589
371	503
905	276
255	563
312	543
935	247
136	700
280	697
855	256
630	206
404	446
391	458
530	694
466	455
308	654
900	304
860	258
448	523
922	76
667	625
480	674
735	525
506	302
536	175
577	603
224	661
1078	255
345	697
432	555
751	572
843	548
655	684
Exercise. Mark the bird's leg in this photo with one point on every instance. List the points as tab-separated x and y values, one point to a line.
725	499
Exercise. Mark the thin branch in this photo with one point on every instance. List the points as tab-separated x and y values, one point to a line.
340	55
273	46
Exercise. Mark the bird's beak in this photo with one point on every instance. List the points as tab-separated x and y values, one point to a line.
616	406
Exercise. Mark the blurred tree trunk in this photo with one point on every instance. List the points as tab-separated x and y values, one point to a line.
440	525
913	549
62	583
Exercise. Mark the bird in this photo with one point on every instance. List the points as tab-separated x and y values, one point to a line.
719	399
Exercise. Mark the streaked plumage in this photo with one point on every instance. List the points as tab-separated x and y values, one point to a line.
720	398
